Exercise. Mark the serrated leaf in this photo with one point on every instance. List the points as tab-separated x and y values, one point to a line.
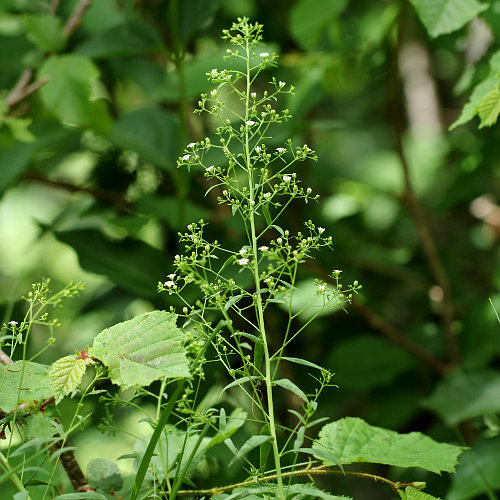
311	491
445	16
489	108
290	386
143	349
353	440
461	396
249	445
66	375
411	493
478	470
45	31
104	475
18	386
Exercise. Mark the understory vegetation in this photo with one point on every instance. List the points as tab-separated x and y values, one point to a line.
249	249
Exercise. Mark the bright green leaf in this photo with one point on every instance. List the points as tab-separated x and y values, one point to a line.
68	91
353	440
142	350
104	475
461	396
66	375
489	108
311	491
411	493
45	31
17	387
445	16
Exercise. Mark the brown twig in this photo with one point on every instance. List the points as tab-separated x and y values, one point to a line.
76	17
5	359
396	337
425	234
109	196
308	471
14	97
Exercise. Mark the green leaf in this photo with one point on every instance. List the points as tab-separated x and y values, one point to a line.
445	16
45	31
17	387
310	17
229	425
461	396
411	493
152	133
353	440
66	375
249	445
302	362
478	471
143	349
104	475
118	260
68	91
290	386
489	108
311	492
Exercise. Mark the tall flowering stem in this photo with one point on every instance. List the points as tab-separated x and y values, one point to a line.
258	185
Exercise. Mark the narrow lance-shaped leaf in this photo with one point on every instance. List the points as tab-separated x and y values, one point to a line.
143	349
353	440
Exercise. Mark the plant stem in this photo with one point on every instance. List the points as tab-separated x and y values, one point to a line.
13	476
258	295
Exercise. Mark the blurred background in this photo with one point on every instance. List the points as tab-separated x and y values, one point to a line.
90	191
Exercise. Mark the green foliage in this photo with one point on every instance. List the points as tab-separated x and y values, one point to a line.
445	16
104	475
23	382
142	350
89	189
353	440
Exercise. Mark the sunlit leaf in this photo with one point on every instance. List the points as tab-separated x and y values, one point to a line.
353	440
21	382
143	349
445	16
66	375
104	475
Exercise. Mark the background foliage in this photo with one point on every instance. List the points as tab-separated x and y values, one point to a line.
97	105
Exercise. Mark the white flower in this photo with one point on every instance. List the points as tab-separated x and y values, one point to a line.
210	168
337	272
268	280
186	157
280	150
321	230
264	54
213	92
267	195
249	123
308	149
263	248
309	190
191	145
254	95
287	178
168	284
13	323
281	84
243	251
322	288
172	276
213	73
258	149
243	262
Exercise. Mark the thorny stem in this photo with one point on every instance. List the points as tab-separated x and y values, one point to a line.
258	295
314	471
